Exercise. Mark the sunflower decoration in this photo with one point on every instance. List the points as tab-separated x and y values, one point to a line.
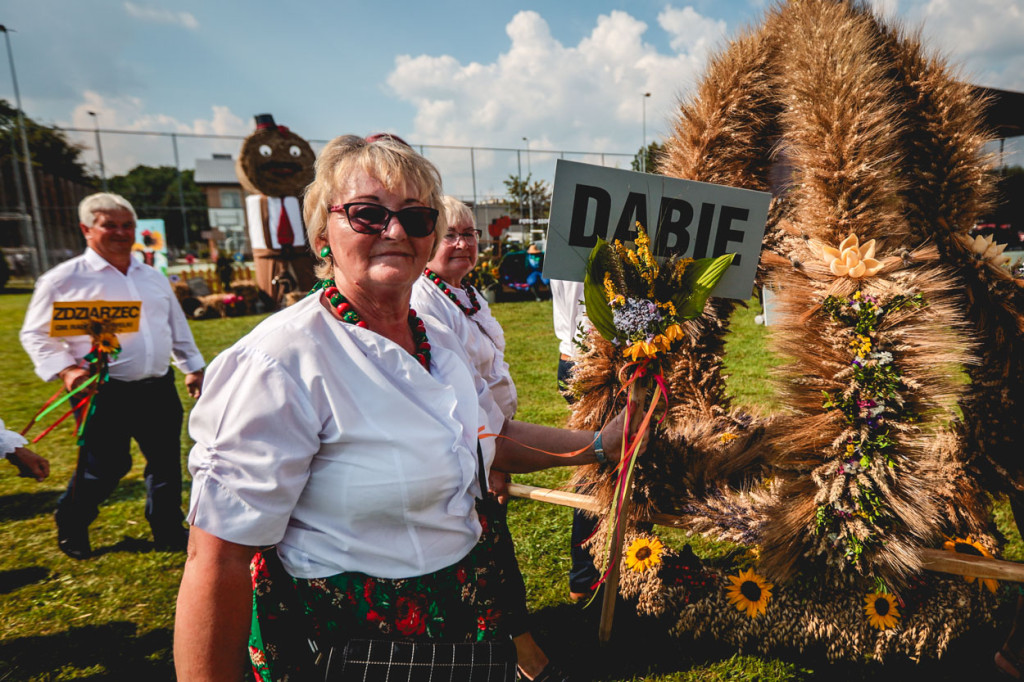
644	553
882	610
749	592
972	547
105	345
104	340
108	343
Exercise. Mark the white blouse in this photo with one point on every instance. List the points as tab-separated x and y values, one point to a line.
10	440
480	334
334	443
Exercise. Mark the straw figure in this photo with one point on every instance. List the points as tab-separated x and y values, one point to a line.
873	151
274	167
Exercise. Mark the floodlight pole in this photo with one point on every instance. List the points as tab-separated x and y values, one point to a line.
181	194
39	259
529	174
643	148
99	148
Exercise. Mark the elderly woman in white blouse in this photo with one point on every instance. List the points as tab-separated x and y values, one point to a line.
344	431
444	293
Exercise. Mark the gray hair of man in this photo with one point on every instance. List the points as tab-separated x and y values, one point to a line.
102	202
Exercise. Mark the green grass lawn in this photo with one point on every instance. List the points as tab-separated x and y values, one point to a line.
111	617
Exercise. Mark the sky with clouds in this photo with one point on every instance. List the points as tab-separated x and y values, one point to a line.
566	76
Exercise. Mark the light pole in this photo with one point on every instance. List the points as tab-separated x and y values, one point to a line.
39	255
643	149
529	174
99	148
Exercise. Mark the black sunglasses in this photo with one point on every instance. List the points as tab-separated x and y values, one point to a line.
368	218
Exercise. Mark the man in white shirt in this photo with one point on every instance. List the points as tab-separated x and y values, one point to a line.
140	400
569	313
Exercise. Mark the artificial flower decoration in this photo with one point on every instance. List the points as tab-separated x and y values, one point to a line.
644	553
642	349
851	259
107	343
972	547
639	304
987	248
104	340
749	592
882	611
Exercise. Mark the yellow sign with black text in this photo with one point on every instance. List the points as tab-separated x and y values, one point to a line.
76	318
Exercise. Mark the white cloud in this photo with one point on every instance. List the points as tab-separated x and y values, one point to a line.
884	8
585	97
123	152
157	15
984	36
689	30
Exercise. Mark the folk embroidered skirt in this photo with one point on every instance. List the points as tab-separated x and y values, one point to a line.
460	603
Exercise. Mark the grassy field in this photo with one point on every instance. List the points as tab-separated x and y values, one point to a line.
111	617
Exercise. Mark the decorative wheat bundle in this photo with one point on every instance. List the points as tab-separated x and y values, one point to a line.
874	150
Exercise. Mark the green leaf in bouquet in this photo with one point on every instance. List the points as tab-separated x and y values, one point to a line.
599	312
699	280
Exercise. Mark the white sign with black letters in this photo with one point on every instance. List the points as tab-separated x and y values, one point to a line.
696	219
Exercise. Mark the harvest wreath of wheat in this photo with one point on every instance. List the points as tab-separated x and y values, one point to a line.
902	341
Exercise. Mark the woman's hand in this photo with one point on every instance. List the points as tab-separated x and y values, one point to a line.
497	483
611	433
527	447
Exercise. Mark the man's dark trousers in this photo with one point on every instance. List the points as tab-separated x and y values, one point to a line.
150	412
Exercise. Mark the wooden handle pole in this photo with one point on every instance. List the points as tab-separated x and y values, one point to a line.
937	560
611	584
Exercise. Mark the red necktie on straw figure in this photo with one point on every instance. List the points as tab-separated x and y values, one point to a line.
285	235
640	306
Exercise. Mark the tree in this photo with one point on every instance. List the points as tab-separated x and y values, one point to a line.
654	152
153	191
51	151
526	191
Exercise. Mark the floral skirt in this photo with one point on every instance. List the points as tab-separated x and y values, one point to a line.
459	603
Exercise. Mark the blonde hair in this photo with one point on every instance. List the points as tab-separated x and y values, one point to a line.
389	161
456	212
102	201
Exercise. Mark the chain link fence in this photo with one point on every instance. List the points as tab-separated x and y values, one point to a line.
474	174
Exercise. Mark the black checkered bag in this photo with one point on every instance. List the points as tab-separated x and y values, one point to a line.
377	660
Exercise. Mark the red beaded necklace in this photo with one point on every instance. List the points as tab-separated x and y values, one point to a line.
474	304
348	314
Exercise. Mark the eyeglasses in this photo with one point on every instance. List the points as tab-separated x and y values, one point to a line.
468	237
367	218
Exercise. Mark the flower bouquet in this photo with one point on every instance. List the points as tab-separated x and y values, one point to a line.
640	306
